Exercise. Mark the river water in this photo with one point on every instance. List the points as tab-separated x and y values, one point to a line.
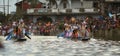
51	46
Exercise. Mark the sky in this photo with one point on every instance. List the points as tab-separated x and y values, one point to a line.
12	7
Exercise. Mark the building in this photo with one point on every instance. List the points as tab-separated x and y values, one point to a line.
25	5
66	7
58	8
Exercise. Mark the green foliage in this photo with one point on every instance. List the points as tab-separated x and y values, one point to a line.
1	13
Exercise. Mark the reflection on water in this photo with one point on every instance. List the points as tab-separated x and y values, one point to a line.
42	46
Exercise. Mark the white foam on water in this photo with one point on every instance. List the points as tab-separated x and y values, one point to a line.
30	55
53	46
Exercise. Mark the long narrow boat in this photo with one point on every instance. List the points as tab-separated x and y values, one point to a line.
79	38
21	39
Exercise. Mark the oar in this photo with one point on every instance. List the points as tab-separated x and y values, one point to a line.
27	36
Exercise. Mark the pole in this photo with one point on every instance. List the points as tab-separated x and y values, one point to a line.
4	7
22	6
8	7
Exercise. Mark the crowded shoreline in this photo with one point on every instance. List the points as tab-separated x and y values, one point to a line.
107	28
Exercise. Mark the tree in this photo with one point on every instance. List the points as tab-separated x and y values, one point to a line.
1	13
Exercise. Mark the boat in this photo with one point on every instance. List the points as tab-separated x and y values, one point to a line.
20	40
85	39
79	38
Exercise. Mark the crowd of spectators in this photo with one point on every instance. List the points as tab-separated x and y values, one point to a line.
54	28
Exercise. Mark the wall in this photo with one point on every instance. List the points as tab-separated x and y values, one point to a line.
87	4
61	5
113	34
76	4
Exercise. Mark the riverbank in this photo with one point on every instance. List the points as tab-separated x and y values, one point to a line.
112	34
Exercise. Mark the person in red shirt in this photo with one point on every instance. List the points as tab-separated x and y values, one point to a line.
75	35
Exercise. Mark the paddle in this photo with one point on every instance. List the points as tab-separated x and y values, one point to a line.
27	36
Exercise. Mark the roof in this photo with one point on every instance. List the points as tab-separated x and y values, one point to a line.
19	3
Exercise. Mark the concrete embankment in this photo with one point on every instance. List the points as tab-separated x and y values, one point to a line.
113	34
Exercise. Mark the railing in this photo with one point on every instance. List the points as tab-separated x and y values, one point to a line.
92	10
75	10
43	10
54	11
36	10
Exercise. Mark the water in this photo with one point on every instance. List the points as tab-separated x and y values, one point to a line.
51	46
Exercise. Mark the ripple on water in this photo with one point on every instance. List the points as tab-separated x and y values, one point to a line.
62	47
